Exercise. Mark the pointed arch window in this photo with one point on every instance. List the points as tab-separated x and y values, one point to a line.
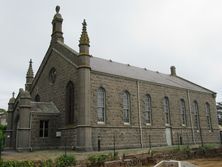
208	116
166	109
70	101
101	97
183	112
148	109
126	107
196	115
37	98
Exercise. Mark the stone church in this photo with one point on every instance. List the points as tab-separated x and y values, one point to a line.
83	102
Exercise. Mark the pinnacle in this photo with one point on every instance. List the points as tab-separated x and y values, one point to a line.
84	39
57	9
30	70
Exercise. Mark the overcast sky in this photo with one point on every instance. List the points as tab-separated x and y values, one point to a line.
146	33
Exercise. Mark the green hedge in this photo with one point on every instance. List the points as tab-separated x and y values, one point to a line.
98	160
65	160
62	161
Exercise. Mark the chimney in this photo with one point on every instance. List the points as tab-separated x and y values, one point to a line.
173	71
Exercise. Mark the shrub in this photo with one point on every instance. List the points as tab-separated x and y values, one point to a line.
25	164
97	160
47	163
17	164
111	156
65	160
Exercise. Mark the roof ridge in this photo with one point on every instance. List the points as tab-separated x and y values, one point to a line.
129	65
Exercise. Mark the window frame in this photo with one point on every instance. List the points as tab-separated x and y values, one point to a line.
196	116
126	108
148	110
166	110
37	98
183	112
44	128
70	103
103	106
208	117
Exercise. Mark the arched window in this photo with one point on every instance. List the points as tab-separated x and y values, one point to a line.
126	107
183	112
148	109
37	98
196	115
166	109
208	116
70	101
101	95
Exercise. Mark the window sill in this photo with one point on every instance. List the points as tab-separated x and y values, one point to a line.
126	123
167	125
101	123
148	124
183	125
197	131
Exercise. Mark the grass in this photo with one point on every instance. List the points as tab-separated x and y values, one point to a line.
53	154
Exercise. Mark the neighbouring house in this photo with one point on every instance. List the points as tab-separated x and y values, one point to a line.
219	112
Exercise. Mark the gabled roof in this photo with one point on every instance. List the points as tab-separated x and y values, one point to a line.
44	107
126	70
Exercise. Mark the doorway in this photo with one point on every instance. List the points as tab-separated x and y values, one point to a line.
168	136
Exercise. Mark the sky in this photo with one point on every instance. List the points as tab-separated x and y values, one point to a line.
152	34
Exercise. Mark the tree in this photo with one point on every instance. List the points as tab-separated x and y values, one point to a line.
2	110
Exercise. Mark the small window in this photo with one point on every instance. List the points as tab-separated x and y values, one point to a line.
196	115
208	116
70	103
183	112
166	109
126	107
101	105
43	132
37	98
148	109
52	75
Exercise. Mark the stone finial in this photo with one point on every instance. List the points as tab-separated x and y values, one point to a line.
84	39
12	99
30	70
29	76
57	15
57	9
57	33
173	71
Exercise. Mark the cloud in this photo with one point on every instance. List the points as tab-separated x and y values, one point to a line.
146	33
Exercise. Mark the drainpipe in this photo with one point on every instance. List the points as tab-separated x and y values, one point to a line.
190	113
139	115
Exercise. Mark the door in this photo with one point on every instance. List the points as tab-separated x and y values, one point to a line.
168	136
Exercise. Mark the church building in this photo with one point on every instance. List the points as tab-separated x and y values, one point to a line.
83	102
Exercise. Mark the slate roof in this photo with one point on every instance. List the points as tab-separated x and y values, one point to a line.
44	107
125	70
110	67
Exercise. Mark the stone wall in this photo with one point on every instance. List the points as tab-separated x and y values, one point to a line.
55	92
51	141
68	139
130	135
